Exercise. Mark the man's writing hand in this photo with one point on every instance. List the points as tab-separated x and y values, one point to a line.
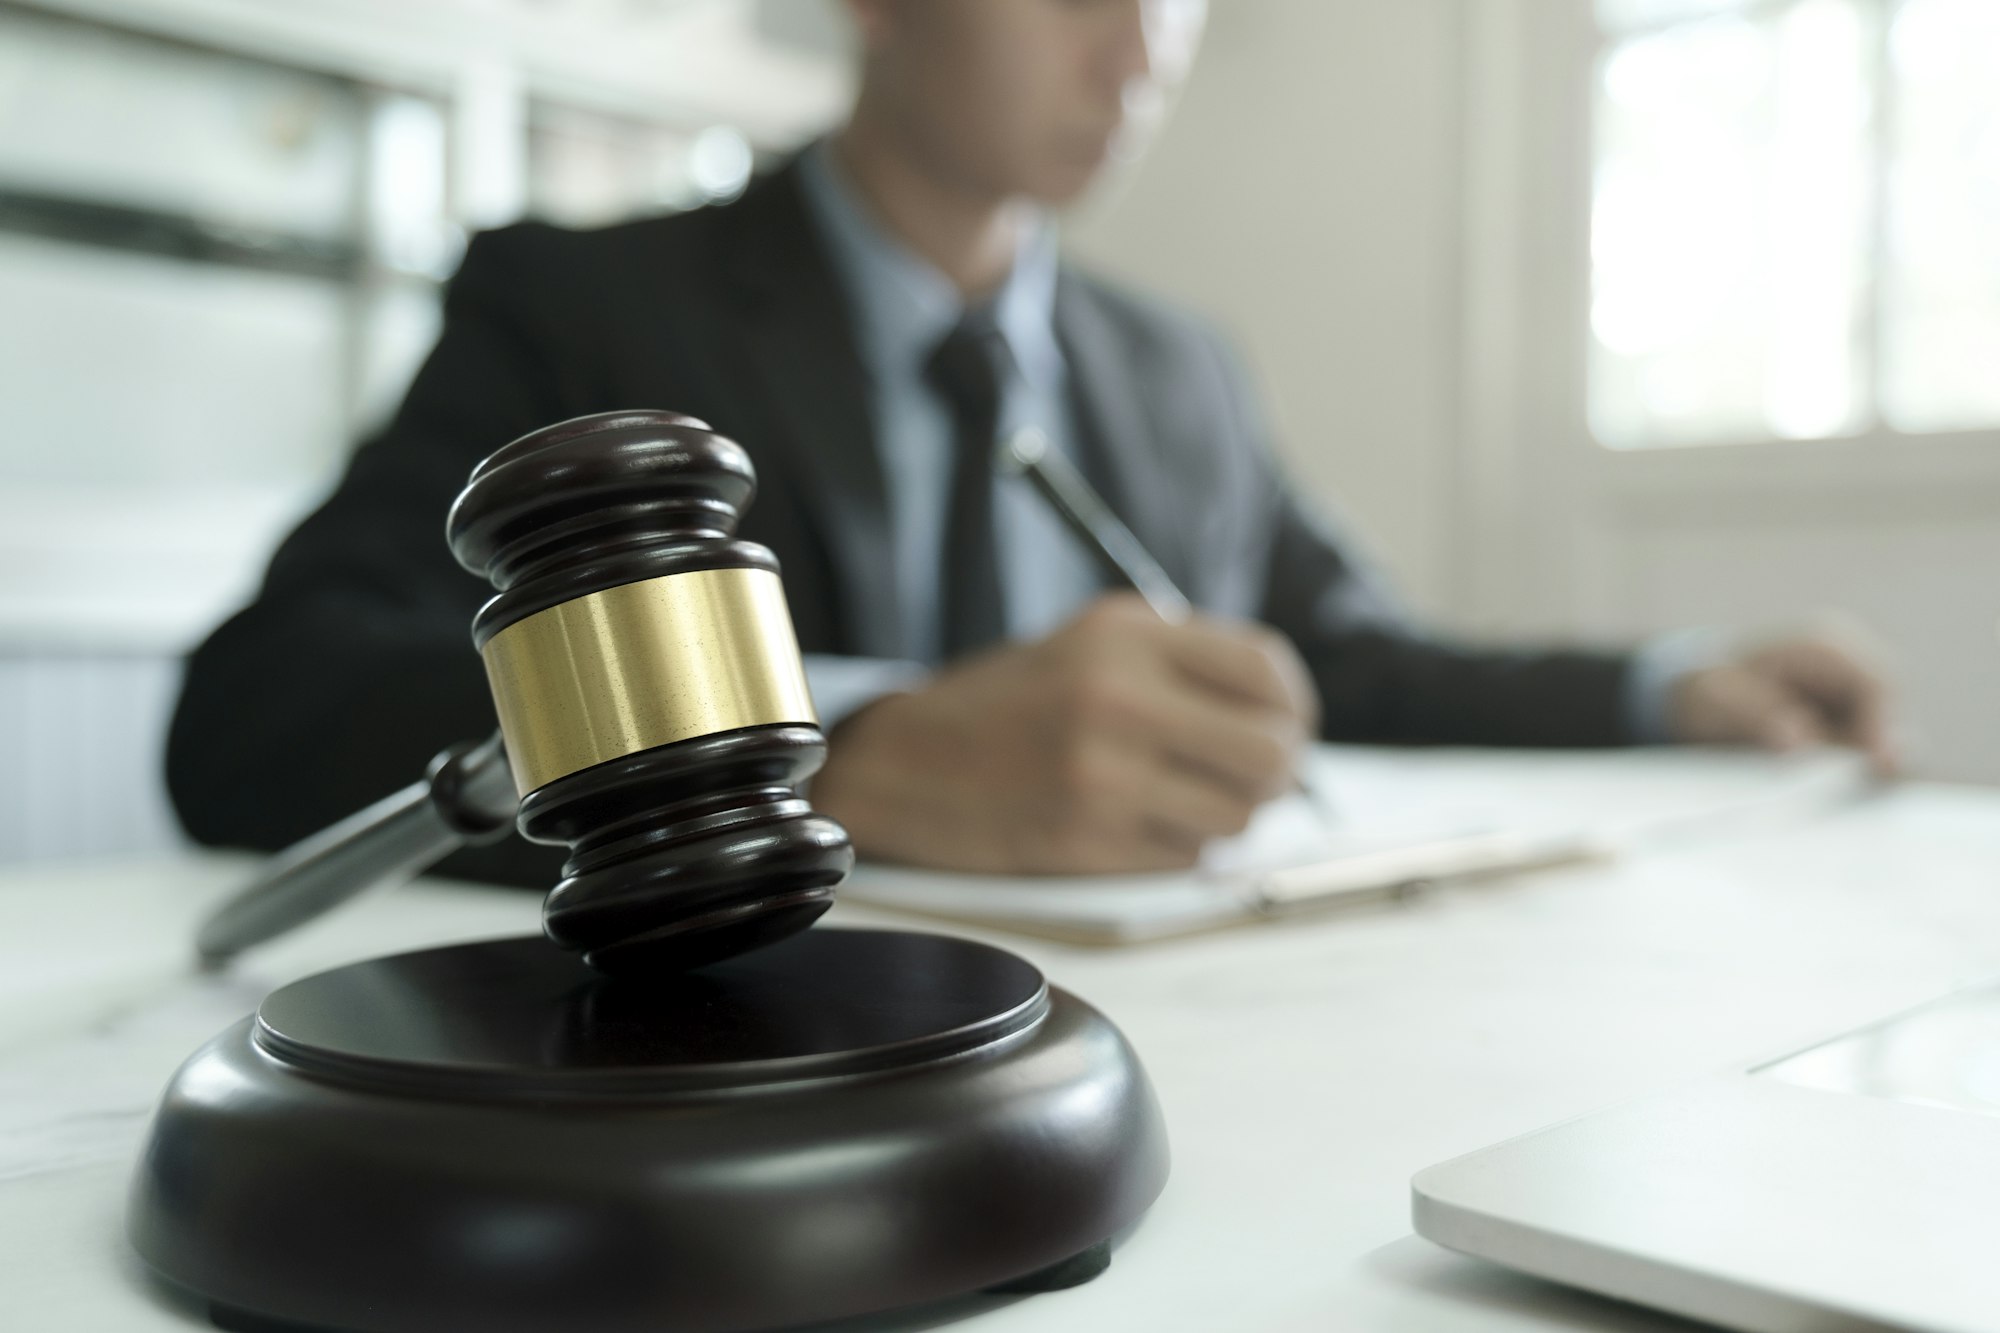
1118	743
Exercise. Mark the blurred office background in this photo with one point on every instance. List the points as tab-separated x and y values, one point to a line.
1594	317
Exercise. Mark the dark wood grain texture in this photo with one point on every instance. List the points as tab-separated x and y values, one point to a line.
494	1136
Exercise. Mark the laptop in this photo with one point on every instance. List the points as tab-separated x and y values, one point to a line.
1852	1185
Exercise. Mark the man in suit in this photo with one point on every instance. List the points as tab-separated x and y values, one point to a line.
866	321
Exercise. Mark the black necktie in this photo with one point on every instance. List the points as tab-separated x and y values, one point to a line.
966	371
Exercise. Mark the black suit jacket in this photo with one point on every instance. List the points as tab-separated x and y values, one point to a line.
354	664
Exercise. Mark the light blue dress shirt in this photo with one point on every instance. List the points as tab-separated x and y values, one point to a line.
903	308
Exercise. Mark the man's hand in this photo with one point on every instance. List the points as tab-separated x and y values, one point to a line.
1118	743
1785	696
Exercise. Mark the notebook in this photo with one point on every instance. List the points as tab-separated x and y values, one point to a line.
1404	818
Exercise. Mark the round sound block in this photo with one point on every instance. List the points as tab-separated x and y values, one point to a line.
493	1136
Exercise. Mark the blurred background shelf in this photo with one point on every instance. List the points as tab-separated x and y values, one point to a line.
771	70
223	226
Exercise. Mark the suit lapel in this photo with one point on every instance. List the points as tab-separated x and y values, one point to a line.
1122	448
796	336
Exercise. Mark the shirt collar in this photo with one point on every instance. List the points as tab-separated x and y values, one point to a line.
904	305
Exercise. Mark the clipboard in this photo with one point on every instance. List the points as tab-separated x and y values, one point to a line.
1410	818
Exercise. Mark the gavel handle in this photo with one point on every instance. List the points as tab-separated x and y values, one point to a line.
466	796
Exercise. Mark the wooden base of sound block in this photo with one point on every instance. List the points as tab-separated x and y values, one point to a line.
492	1136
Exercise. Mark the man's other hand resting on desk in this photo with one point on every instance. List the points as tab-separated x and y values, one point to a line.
1788	695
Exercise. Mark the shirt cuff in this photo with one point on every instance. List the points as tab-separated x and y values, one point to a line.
843	686
1658	665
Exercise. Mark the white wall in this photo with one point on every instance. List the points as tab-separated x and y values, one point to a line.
1305	195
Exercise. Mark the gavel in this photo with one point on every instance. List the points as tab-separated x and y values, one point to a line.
687	1120
654	715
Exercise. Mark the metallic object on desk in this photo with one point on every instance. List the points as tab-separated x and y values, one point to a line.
1026	453
465	797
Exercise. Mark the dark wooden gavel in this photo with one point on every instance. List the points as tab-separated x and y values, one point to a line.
653	712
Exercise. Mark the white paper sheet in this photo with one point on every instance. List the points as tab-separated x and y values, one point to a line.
1405	816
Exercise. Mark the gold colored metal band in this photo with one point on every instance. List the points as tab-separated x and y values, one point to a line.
645	664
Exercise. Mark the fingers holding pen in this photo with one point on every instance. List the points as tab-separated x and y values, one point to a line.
1249	662
1231	703
1119	743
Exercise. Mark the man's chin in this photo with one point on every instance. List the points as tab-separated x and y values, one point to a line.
1064	184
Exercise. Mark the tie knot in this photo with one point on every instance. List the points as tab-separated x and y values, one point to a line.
968	364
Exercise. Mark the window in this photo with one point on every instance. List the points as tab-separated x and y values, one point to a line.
1795	227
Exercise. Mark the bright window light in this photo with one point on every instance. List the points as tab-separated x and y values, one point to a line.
1792	232
1941	349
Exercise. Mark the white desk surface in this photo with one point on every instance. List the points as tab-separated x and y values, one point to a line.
1307	1068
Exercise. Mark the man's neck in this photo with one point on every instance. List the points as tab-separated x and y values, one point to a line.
969	236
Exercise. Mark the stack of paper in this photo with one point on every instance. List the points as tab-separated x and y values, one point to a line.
1405	817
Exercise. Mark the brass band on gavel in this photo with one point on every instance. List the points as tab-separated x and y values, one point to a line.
645	664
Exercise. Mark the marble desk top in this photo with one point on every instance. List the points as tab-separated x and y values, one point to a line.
1307	1068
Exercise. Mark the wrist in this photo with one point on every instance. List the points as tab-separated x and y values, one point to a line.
854	785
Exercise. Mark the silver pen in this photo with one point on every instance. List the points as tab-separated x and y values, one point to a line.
1026	453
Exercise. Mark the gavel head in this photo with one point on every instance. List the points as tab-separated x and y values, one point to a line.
649	689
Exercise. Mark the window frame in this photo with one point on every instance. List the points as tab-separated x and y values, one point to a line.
1538	498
